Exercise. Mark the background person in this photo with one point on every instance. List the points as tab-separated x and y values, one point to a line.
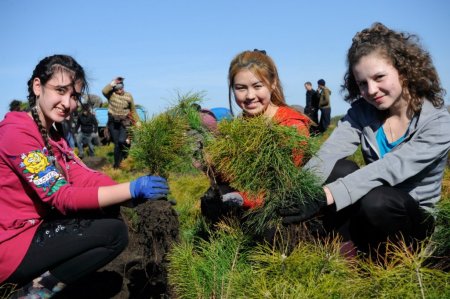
121	116
59	219
312	106
68	130
15	105
398	119
88	126
323	93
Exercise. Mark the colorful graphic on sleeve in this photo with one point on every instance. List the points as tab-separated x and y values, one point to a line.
43	174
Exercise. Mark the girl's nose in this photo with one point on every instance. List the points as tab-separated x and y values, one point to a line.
250	93
372	88
65	100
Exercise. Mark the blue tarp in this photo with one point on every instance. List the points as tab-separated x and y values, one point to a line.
221	113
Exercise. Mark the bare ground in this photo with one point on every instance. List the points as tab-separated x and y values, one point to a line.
140	271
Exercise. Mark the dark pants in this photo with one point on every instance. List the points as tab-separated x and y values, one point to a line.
119	135
71	248
313	114
385	213
325	119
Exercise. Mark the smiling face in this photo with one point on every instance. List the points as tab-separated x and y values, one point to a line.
251	94
57	98
379	83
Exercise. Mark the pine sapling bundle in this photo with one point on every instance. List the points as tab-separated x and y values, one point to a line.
256	155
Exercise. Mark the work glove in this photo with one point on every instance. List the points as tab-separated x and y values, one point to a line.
230	196
148	188
303	211
232	199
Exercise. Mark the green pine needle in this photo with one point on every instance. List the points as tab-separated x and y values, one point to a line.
255	155
169	141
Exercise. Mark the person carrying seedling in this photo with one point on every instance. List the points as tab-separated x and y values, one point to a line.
398	119
255	85
59	220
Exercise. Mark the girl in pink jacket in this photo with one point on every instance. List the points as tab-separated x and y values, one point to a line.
59	219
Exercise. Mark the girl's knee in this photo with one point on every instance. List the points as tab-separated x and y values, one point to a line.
115	232
341	169
120	231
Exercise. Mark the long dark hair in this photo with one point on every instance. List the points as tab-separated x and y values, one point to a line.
45	70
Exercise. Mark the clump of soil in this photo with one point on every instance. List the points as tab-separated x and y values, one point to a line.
141	270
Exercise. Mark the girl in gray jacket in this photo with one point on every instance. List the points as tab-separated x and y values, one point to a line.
398	118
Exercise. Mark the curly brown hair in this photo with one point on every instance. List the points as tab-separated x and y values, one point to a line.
419	77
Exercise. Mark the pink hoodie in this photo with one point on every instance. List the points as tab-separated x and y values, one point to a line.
29	184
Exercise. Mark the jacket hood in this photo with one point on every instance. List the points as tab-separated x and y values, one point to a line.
16	119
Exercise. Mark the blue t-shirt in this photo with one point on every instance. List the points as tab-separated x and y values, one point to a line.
383	143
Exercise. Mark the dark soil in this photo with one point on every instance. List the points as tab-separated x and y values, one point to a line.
141	270
95	162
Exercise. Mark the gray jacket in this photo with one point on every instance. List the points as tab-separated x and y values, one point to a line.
416	165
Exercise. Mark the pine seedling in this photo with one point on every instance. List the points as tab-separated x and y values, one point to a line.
401	274
255	155
171	140
214	268
185	108
312	270
441	236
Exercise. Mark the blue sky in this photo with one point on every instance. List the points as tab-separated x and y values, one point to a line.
171	47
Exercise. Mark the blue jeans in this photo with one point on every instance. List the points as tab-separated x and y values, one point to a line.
82	139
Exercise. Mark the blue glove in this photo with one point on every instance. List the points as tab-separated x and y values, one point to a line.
148	187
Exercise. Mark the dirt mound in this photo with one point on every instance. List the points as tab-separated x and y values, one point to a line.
95	162
141	270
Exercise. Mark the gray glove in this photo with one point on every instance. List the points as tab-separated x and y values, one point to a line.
232	199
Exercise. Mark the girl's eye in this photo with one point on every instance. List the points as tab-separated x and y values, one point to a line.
61	91
379	77
76	96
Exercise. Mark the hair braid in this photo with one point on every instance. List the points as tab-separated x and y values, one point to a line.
44	134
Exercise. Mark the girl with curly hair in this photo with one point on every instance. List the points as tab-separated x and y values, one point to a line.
398	119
